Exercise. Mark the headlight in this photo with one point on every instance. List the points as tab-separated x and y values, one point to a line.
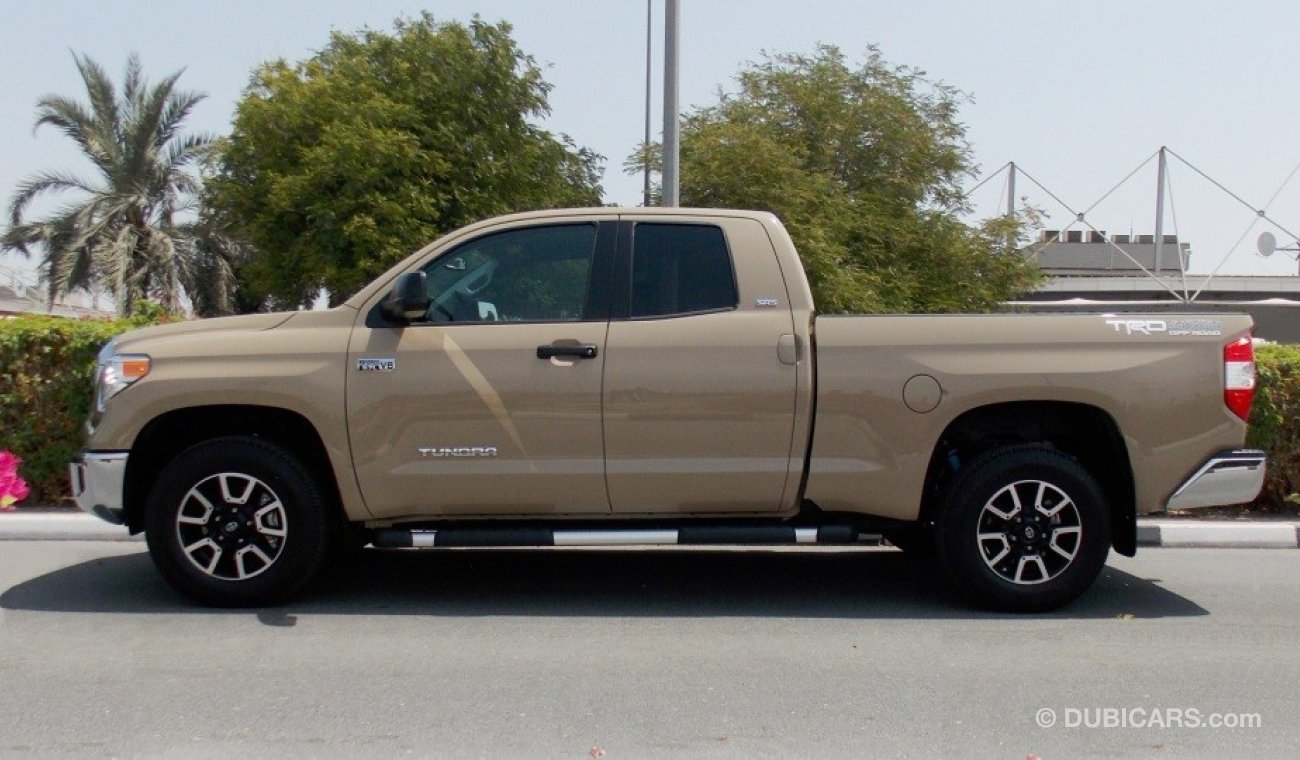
115	372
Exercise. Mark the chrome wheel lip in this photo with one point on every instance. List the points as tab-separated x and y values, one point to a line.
1029	532
231	526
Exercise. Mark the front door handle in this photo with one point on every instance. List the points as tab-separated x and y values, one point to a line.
571	350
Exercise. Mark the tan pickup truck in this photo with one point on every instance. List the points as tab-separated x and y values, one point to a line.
645	376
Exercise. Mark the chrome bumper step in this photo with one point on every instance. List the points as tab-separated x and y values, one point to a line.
1229	477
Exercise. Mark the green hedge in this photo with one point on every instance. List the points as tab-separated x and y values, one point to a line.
47	367
1275	425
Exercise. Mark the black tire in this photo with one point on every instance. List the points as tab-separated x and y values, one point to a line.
1040	506
237	522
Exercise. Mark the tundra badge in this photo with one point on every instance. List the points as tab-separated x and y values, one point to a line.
457	451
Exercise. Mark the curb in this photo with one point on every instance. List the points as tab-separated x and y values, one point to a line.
60	526
1247	534
1152	532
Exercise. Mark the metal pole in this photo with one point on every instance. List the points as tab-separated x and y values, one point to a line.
1011	189
645	146
672	150
1160	207
1011	203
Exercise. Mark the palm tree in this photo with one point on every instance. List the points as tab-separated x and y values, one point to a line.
134	228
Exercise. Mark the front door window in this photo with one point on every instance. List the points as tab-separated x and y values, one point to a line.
539	274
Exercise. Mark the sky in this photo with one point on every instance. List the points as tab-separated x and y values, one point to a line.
1078	95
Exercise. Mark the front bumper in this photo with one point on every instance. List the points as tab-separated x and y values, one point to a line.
1229	477
97	483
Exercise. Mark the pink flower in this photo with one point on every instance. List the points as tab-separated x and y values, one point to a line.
13	489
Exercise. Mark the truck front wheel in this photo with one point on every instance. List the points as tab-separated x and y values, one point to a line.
237	522
1023	529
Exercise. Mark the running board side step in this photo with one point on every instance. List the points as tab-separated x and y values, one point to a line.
746	535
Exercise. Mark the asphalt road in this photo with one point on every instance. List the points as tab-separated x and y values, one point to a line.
650	653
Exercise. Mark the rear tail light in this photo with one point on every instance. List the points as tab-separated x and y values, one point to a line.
1239	376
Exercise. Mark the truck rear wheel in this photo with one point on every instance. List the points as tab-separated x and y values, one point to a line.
1023	529
237	522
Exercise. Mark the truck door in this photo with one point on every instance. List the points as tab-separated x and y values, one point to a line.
491	404
699	402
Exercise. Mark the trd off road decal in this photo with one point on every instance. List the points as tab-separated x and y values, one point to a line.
1172	327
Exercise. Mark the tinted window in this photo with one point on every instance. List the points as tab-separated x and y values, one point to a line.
679	269
537	274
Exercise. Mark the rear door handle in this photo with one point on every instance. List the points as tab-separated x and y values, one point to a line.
572	350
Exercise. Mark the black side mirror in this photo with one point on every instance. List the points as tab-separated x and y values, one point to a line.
409	299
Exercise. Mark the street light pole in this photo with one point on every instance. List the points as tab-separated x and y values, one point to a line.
645	146
672	150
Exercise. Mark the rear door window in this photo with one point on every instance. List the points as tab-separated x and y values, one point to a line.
680	269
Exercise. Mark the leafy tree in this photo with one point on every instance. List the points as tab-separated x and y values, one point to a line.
133	228
342	164
864	166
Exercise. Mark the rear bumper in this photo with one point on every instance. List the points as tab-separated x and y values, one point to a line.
1229	477
97	482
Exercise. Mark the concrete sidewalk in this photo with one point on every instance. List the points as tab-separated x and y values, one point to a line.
1263	533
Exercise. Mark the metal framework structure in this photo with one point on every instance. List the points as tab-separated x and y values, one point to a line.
1164	189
